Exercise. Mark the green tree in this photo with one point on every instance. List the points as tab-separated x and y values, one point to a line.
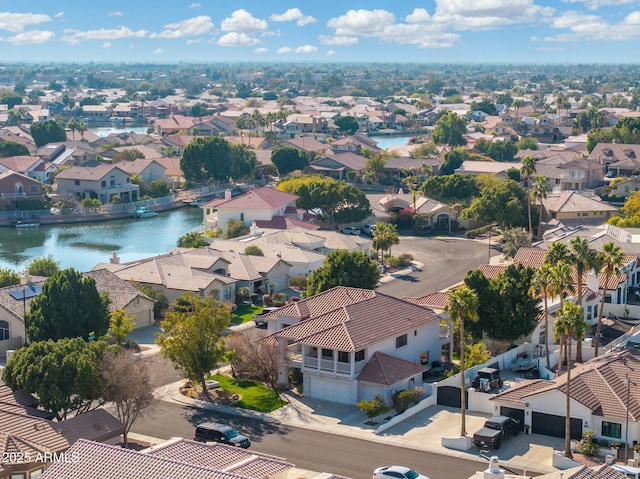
502	201
452	160
451	189
193	340
69	306
44	132
128	154
450	130
375	165
193	240
463	306
527	170
343	268
91	203
158	189
337	201
514	239
253	250
236	228
540	190
8	277
541	288
43	266
120	325
612	260
11	148
385	236
206	158
288	160
243	162
63	374
476	354
347	124
485	105
373	407
528	143
160	298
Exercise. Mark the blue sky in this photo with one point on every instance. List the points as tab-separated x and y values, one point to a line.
487	31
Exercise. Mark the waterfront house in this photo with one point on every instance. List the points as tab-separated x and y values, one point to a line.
104	182
16	188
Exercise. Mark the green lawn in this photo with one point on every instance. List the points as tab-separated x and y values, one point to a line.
244	313
253	395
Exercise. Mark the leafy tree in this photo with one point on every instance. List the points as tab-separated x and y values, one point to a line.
253	359
194	330
426	149
343	268
130	154
158	188
253	250
206	158
514	239
193	240
452	160
347	124
243	162
236	228
44	132
612	260
161	300
69	306
127	384
288	160
8	277
120	325
528	143
11	99
373	407
502	201
476	354
401	400
63	374
338	202
463	306
450	130
91	203
43	266
451	188
375	165
11	148
485	106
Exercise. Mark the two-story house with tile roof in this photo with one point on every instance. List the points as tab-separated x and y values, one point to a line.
15	188
350	343
104	182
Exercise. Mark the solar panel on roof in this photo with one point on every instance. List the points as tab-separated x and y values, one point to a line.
29	291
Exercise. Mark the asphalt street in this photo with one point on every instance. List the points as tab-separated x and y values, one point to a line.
305	448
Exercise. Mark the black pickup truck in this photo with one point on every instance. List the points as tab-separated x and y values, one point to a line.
496	429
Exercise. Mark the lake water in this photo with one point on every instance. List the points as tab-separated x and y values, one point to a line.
83	245
385	142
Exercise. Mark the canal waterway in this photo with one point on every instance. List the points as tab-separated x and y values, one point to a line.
83	245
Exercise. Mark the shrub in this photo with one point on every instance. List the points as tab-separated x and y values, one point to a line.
587	445
405	259
298	282
253	297
616	444
266	300
393	262
277	303
403	399
479	231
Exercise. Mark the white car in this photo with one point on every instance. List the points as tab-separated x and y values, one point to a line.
368	229
397	472
351	230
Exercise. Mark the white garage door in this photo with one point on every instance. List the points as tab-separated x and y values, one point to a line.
329	390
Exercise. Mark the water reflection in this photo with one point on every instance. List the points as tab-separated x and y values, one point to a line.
82	246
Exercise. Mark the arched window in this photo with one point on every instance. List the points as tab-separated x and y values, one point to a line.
4	330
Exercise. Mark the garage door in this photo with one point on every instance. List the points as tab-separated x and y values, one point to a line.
329	390
551	425
450	396
517	414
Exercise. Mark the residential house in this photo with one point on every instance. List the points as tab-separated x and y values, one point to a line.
104	182
430	213
497	168
177	143
25	165
97	112
174	124
350	344
337	165
354	144
16	188
176	458
172	171
570	205
621	159
214	128
563	173
175	274
148	170
147	151
625	187
306	144
603	398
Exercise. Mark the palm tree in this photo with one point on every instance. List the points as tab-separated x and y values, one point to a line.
82	127
517	104
73	126
584	258
527	170
560	286
463	305
566	322
612	260
558	252
394	237
540	190
541	286
380	239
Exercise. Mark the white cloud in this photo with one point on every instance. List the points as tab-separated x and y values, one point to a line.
16	22
195	5
59	15
583	27
106	45
194	41
595	4
366	23
341	40
235	39
284	50
330	53
271	33
488	14
186	28
76	36
33	37
115	14
306	49
242	21
293	14
261	50
158	51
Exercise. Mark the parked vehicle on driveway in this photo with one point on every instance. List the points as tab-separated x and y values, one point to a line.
351	230
397	472
260	319
214	432
368	229
495	430
487	380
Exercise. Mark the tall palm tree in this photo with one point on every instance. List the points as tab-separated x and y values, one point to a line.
541	286
82	127
73	126
584	258
517	104
463	305
566	322
561	286
612	260
557	253
539	191
394	237
527	170
380	239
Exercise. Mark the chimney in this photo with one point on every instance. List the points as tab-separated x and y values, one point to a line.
115	259
493	471
26	277
227	195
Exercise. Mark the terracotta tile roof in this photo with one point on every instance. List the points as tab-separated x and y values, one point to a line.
492	271
385	369
278	222
598	384
19	398
355	326
19	164
35	430
436	300
121	293
96	425
570	202
259	199
533	257
94	173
